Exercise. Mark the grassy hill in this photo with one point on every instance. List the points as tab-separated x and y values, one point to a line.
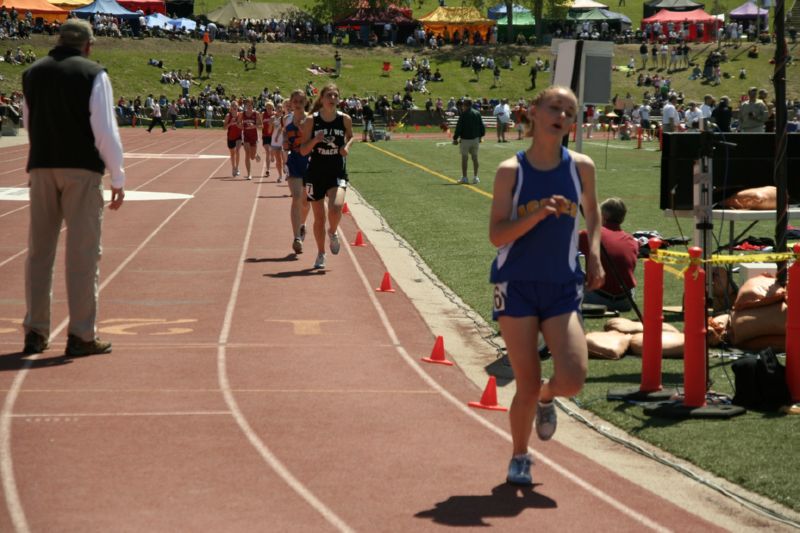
285	65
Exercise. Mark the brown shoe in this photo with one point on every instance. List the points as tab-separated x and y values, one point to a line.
77	347
34	343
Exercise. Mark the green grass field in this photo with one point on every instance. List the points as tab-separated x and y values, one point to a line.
448	225
285	65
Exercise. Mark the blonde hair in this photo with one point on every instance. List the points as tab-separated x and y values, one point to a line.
539	98
301	93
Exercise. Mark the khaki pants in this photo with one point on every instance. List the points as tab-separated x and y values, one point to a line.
76	197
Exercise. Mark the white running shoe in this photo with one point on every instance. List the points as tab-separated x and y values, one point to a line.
335	243
546	420
297	246
320	262
248	177
476	180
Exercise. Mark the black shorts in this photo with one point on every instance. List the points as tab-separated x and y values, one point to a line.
233	143
318	186
266	141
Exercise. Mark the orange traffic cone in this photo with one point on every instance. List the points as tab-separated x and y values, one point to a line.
386	284
359	240
437	354
345	209
489	398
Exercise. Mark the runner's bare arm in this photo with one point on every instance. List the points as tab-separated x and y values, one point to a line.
595	275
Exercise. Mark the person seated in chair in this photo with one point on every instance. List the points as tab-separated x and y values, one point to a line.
619	259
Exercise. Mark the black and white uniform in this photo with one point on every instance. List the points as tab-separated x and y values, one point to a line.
327	168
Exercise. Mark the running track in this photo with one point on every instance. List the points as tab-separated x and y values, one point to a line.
247	392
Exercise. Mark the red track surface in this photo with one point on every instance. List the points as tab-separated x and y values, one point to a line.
247	392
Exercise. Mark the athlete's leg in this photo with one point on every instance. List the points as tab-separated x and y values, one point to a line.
521	337
335	204
300	207
566	339
318	207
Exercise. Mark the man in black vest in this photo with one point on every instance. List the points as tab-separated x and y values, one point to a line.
69	114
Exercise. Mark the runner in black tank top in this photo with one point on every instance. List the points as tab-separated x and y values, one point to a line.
327	136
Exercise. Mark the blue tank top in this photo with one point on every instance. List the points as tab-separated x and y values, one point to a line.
296	163
548	252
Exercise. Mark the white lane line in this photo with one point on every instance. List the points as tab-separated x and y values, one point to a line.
227	392
412	362
13	502
144	413
137	155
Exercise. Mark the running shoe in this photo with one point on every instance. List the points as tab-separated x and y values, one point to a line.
476	180
280	179
297	246
320	262
463	180
302	232
248	177
334	243
546	420
519	470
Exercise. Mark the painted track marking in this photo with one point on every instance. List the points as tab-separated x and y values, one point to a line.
13	502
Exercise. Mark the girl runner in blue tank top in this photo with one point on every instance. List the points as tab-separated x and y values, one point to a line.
296	165
538	281
327	135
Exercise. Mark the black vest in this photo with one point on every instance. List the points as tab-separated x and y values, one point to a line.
57	89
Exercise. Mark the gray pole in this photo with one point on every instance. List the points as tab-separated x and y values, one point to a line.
779	83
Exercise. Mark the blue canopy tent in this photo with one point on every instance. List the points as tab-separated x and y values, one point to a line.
183	24
104	7
157	20
500	11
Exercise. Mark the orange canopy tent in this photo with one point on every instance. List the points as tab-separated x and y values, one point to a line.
69	5
450	19
38	8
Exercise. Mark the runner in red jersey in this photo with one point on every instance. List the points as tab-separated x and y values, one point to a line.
250	120
234	135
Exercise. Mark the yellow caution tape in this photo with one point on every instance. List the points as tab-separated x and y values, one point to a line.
682	258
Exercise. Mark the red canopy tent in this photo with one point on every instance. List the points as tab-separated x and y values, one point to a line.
692	18
146	6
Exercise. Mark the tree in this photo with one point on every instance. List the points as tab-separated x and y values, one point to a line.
333	10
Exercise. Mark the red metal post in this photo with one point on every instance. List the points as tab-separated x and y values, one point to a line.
694	331
653	320
793	327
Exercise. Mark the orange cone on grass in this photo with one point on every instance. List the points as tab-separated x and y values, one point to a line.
386	284
437	354
359	240
489	397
